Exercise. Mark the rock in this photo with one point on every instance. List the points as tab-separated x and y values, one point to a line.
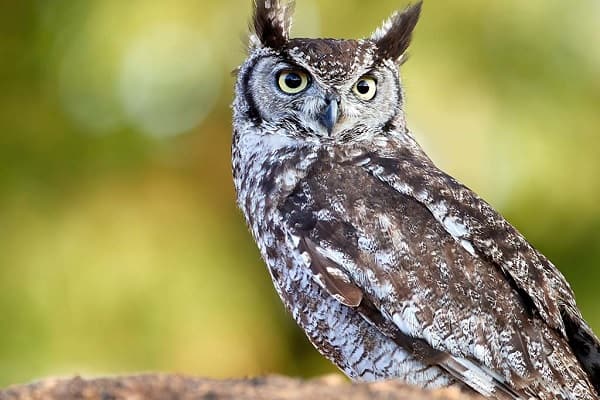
178	387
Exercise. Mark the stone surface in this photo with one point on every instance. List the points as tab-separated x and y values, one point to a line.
178	387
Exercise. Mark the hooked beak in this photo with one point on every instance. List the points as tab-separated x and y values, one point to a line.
330	115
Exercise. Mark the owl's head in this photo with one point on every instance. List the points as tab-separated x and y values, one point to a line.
322	89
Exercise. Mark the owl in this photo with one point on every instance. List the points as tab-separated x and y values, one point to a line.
393	269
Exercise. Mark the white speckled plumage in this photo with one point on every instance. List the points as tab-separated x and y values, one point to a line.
392	268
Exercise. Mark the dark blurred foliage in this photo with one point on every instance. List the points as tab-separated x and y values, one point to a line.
121	248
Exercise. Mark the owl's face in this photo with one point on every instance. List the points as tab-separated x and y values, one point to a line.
322	90
326	89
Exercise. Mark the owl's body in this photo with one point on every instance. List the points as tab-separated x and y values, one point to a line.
393	269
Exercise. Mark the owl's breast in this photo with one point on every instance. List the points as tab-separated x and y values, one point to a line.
338	332
265	180
266	169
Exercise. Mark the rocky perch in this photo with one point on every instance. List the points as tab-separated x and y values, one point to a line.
178	387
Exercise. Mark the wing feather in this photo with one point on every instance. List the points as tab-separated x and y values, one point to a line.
329	276
385	253
483	231
469	219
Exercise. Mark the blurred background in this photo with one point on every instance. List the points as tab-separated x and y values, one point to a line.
121	247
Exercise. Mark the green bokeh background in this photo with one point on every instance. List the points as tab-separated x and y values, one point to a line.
121	248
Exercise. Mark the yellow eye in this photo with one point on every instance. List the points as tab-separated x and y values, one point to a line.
293	81
365	88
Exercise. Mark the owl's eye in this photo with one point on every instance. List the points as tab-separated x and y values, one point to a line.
365	88
292	82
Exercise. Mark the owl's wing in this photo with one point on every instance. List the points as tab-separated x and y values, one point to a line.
400	163
473	222
385	254
338	283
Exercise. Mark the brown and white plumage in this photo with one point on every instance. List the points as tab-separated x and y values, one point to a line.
392	267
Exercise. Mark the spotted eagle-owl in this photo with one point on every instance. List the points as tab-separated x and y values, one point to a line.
393	268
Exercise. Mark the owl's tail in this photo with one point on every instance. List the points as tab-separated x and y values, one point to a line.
482	380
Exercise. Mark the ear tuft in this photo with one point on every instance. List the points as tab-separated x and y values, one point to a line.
393	37
271	23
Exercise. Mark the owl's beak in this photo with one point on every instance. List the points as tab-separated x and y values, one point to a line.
330	115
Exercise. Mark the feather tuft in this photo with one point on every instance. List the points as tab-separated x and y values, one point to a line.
271	23
394	36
